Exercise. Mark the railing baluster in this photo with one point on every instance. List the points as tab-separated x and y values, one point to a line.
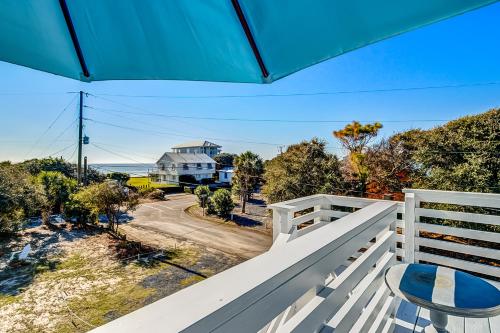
409	232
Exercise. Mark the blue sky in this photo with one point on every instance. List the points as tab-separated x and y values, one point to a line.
460	51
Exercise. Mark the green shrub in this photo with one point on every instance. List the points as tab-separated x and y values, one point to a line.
222	202
120	177
202	193
210	207
20	198
156	194
145	191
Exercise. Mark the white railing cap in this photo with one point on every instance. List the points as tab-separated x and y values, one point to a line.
289	204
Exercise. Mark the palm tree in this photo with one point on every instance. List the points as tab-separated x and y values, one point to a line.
247	174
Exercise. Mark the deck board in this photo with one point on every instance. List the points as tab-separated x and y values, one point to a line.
477	325
411	318
495	324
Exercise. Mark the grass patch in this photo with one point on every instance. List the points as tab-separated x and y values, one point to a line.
103	305
191	280
74	262
7	299
145	182
186	257
75	266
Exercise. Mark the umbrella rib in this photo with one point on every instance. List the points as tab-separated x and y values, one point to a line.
74	37
251	40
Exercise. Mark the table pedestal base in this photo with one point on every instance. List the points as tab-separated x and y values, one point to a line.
439	320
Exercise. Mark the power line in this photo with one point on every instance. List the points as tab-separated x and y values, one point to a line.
125	148
174	118
51	124
32	93
320	93
60	151
60	135
265	120
73	153
119	155
179	135
139	121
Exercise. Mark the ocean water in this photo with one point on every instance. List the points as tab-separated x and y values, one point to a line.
133	170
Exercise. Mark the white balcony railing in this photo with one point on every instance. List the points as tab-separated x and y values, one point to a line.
325	269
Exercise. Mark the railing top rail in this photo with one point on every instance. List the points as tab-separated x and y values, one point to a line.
423	191
221	298
459	198
290	204
318	199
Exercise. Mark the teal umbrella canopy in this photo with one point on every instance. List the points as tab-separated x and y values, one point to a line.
256	41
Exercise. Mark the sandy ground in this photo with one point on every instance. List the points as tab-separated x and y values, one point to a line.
77	282
169	218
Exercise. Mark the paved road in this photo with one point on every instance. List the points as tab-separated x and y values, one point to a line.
168	217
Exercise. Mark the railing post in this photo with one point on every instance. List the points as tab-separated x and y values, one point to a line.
282	221
409	231
322	207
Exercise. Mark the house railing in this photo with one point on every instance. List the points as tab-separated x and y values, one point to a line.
455	229
294	218
325	269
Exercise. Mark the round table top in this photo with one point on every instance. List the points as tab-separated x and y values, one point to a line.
444	289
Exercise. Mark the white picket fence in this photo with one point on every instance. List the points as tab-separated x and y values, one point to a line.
324	272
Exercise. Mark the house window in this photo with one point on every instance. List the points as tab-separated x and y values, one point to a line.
185	166
225	175
162	166
198	165
183	150
173	166
209	165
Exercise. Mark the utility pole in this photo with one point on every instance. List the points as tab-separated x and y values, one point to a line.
80	130
85	166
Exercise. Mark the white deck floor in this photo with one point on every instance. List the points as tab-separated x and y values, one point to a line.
411	318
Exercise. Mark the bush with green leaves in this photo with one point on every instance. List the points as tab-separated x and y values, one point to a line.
304	169
210	207
120	177
222	202
156	194
35	166
20	198
57	188
108	198
151	193
202	192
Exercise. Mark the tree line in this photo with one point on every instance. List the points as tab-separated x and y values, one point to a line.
461	155
43	187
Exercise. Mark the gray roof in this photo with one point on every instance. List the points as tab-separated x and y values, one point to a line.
186	158
198	143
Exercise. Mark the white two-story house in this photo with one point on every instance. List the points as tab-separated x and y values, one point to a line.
173	165
197	147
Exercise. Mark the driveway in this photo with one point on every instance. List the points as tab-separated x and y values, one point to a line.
168	217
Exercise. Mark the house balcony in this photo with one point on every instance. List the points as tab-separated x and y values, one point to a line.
325	270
